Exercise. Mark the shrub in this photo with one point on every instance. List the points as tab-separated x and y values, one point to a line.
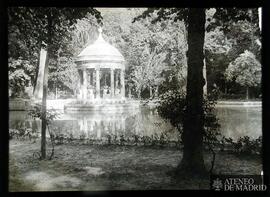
36	112
172	107
245	145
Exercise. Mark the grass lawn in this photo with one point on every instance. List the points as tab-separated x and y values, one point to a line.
111	167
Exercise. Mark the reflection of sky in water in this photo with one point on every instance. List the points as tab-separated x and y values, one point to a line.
235	122
239	121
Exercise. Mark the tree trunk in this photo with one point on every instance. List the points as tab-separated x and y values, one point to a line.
37	69
156	92
44	96
260	18
40	77
56	91
129	92
150	91
205	79
139	94
247	93
193	162
44	109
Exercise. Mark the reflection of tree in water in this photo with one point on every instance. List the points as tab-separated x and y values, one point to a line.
240	121
235	122
23	124
118	126
149	123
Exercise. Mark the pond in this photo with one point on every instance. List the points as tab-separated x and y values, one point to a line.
236	121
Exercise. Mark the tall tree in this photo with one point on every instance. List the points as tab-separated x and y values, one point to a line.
193	161
138	79
230	32
245	70
49	26
67	15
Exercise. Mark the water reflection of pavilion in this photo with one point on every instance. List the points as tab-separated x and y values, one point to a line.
99	125
235	122
111	126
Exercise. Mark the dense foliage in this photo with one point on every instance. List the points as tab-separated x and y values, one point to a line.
236	30
172	107
154	53
20	76
28	31
154	48
245	70
36	113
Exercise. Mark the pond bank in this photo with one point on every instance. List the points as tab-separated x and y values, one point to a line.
59	104
93	167
239	103
24	104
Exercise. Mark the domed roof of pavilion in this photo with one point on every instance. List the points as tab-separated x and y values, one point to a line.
100	51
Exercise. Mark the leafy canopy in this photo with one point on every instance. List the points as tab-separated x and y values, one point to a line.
33	28
245	70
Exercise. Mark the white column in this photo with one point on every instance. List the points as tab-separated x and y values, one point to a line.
112	83
122	78
97	84
84	84
90	77
80	85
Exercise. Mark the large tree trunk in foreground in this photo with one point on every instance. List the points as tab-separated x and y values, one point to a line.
193	162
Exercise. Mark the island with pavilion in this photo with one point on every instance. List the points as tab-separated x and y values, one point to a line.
101	69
